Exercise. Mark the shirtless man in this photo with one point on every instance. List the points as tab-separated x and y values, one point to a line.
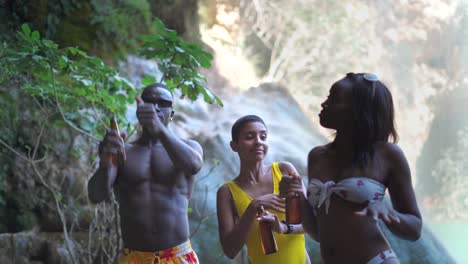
153	185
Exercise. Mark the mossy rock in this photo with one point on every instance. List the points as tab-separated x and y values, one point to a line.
76	30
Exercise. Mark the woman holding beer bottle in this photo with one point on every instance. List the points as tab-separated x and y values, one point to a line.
250	209
349	177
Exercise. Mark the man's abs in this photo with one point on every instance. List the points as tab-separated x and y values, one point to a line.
153	221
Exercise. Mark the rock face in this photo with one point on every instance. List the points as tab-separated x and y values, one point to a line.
179	15
449	120
32	247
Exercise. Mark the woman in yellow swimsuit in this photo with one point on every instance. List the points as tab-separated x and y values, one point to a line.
256	185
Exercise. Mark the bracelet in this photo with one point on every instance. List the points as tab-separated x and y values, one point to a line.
290	227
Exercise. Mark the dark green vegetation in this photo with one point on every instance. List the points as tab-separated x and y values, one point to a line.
56	101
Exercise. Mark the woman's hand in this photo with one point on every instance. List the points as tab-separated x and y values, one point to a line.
269	201
275	223
291	184
380	210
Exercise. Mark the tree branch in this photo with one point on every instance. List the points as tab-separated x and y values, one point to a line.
61	111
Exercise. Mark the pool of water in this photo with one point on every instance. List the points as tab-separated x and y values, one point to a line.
454	236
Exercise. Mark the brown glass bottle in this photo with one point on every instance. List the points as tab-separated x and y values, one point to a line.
293	206
268	241
119	158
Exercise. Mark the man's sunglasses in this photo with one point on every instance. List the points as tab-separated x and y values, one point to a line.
161	103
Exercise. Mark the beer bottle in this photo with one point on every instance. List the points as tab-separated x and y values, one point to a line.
117	158
293	206
266	234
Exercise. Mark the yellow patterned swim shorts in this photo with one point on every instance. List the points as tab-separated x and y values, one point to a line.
181	254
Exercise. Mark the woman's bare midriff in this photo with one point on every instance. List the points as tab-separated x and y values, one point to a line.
347	238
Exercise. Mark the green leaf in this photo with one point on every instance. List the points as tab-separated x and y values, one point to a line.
73	50
97	62
50	44
121	98
131	97
37	57
35	35
170	84
178	60
148	79
205	62
80	91
26	30
218	101
207	95
86	82
58	197
159	25
76	51
63	61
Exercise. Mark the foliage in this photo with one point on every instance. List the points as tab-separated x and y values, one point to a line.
63	90
114	26
179	61
119	23
106	27
56	11
449	173
60	88
68	84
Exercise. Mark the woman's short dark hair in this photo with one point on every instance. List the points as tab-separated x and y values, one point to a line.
237	126
373	115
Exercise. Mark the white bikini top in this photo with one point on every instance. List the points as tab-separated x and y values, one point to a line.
356	189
